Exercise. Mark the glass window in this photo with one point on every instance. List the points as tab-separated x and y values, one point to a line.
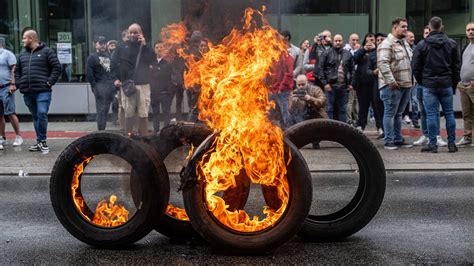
9	25
67	34
455	15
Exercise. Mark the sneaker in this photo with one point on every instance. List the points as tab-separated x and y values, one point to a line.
381	135
423	140
430	148
406	120
464	141
390	146
34	147
403	144
440	142
1	147
3	141
43	147
452	147
18	141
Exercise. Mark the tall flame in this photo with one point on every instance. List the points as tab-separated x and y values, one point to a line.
234	102
107	214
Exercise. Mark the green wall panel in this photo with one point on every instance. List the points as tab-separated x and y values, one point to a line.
164	12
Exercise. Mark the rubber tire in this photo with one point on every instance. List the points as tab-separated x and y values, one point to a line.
171	138
250	243
370	193
152	174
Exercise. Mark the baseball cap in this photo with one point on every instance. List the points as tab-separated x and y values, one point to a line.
100	39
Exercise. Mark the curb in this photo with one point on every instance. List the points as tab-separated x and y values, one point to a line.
326	168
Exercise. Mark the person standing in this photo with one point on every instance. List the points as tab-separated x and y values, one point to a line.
353	101
7	94
372	69
466	86
363	80
99	75
436	68
395	81
280	81
336	71
37	70
124	69
161	89
424	140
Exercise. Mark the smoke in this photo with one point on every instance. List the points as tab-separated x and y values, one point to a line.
216	18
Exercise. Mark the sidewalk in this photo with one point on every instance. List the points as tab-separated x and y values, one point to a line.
60	134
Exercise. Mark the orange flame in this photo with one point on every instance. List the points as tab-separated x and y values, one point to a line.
176	212
234	102
107	214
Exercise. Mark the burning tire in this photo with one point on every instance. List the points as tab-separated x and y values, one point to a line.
369	195
175	222
248	242
67	199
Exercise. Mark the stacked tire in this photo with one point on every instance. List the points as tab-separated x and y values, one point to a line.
150	183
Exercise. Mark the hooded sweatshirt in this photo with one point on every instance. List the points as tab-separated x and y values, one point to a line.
436	61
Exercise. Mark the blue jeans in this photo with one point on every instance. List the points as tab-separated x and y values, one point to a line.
38	104
414	103
281	109
421	104
339	97
395	102
433	97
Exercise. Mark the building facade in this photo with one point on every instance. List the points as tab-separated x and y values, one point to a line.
69	26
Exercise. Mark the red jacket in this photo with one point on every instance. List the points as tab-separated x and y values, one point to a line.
281	75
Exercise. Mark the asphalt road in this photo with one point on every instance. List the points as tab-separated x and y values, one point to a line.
426	217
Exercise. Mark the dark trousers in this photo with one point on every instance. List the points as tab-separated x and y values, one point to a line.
104	94
365	97
161	100
179	92
377	105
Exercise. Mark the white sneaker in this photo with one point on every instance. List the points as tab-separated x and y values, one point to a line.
3	141
406	119
1	147
18	141
440	142
423	140
464	141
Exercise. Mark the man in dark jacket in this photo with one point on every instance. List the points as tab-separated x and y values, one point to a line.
37	70
100	77
436	68
336	70
162	91
373	70
364	81
123	69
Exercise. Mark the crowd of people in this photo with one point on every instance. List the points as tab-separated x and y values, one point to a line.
387	78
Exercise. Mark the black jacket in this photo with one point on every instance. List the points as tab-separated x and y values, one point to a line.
362	77
123	63
38	70
436	61
161	77
98	69
329	63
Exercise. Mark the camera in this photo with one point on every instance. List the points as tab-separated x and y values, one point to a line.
299	93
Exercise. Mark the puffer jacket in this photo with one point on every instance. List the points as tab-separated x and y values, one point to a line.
436	62
37	70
